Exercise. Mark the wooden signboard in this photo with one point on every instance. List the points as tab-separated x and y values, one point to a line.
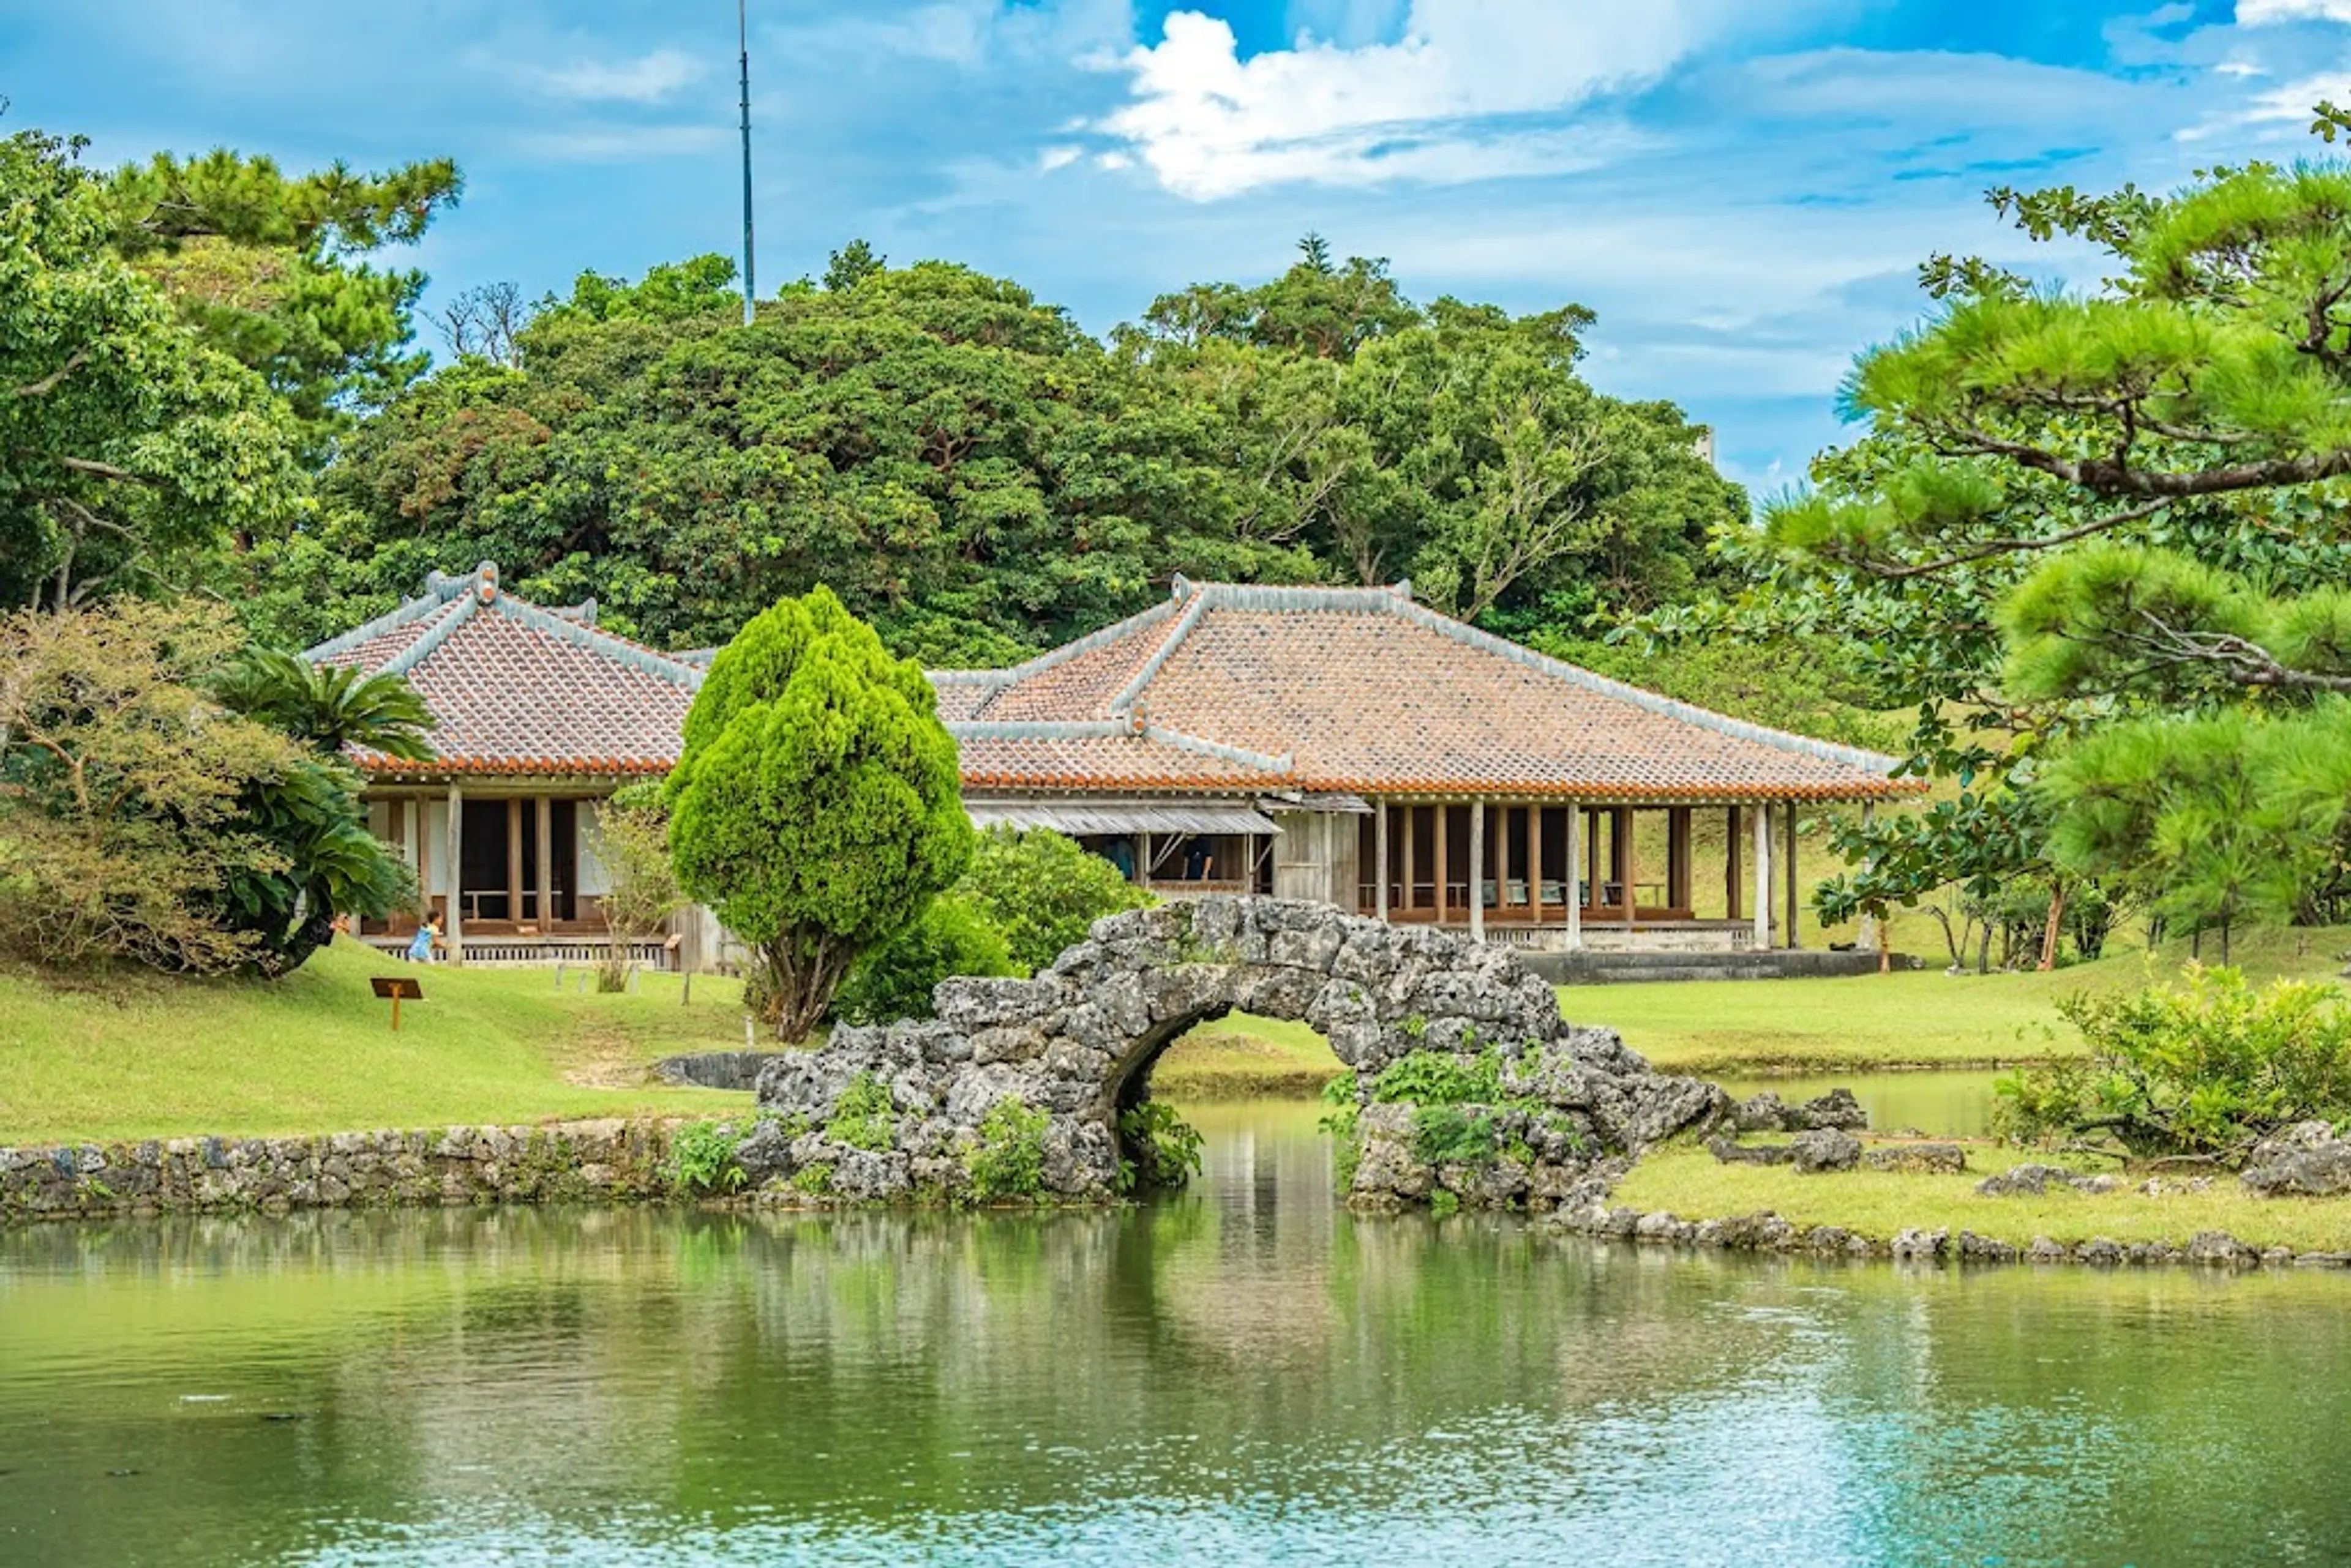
398	988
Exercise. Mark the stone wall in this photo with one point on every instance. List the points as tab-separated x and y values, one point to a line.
576	1162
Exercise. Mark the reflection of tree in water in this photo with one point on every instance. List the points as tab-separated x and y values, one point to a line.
1244	1342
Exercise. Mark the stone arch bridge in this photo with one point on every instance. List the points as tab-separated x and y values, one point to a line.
1078	1042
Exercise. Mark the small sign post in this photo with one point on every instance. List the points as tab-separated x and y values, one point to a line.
397	986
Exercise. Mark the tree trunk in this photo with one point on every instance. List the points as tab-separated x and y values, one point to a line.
2056	924
1983	950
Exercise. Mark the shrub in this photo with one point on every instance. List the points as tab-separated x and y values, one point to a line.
701	1159
1043	892
895	980
864	1117
1009	1161
1441	1078
816	805
1158	1147
124	790
1451	1136
1341	1119
641	889
2206	1068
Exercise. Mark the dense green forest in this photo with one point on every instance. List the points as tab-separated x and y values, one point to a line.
963	465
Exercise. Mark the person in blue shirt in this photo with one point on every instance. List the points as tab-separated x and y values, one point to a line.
420	946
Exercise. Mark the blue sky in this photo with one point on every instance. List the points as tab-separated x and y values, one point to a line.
1741	188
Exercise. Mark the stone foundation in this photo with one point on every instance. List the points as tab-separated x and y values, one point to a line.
575	1161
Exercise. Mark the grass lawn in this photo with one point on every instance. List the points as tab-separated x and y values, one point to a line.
1690	1183
141	1056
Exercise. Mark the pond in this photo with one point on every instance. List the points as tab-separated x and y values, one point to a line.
1243	1374
1953	1103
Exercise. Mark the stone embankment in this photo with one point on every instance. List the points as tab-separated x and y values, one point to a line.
576	1162
1767	1232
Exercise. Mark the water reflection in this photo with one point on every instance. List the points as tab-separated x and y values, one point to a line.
1244	1374
1954	1104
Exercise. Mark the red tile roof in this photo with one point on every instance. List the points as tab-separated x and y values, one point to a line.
1364	690
516	689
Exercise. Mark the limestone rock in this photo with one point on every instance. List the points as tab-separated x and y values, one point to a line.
1938	1159
1730	1151
1825	1149
1075	1041
2034	1180
2314	1168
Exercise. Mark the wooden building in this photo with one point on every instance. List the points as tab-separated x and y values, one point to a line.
538	716
1342	745
1353	747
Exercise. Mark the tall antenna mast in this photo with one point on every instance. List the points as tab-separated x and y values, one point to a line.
743	58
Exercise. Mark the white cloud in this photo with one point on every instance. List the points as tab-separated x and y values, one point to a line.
648	78
1450	100
2257	13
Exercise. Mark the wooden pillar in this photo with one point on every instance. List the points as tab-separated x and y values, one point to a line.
1411	835
1380	856
1592	877
1731	898
1478	870
1762	814
546	889
1534	864
1677	857
1444	859
1868	937
1631	857
1573	888
514	858
1795	928
453	857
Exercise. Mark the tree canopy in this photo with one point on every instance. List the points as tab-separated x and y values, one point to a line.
978	478
132	447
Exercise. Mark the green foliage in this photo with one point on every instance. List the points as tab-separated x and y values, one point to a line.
134	448
1342	1121
1448	1134
2215	821
125	791
816	806
864	1117
1441	1078
641	888
1157	1147
1009	1160
1444	1203
268	267
701	1161
1042	891
2204	1068
329	708
977	478
327	862
896	979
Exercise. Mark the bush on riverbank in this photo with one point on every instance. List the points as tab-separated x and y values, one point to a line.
2206	1068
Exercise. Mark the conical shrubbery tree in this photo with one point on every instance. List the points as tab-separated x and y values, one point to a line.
816	806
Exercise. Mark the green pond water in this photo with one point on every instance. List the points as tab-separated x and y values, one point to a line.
1244	1374
1954	1103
